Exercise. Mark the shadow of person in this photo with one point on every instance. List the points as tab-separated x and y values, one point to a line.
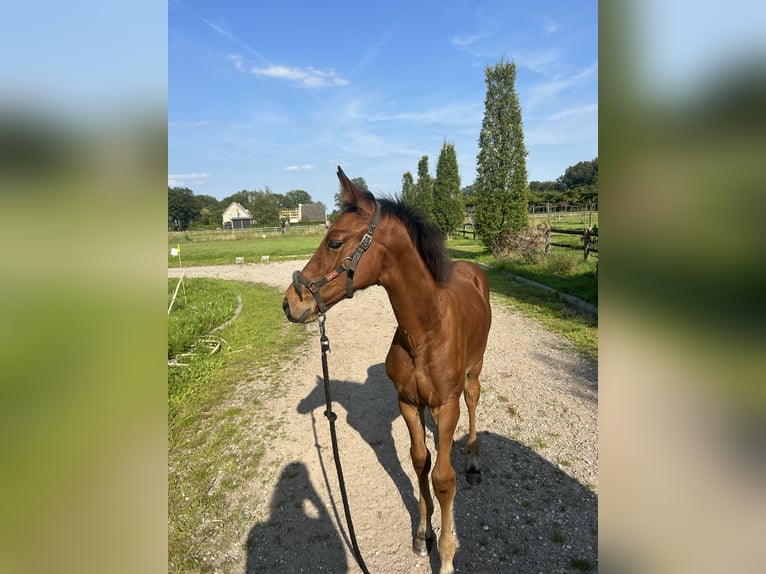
299	535
527	515
371	409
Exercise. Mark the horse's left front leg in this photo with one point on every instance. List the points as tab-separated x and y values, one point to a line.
443	479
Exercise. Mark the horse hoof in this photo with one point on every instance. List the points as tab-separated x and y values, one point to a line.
421	545
473	476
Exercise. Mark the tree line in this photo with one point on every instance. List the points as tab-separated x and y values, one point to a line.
186	210
578	185
500	197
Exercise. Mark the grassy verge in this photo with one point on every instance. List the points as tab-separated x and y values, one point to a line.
213	405
563	270
581	330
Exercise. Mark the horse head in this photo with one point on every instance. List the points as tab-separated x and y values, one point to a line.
320	284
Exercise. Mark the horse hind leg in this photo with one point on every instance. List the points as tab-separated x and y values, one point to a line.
422	542
471	395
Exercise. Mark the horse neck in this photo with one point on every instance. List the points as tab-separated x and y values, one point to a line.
411	289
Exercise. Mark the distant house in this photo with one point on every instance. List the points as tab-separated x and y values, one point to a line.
305	212
237	217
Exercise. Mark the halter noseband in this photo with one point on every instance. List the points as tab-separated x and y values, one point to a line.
347	265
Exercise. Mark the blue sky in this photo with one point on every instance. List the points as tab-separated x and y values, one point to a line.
278	94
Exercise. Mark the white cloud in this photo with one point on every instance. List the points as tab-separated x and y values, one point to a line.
578	111
540	61
450	114
303	167
306	78
187	179
231	37
464	41
547	91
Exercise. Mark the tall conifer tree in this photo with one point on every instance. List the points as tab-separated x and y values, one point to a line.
448	201
501	169
424	188
408	188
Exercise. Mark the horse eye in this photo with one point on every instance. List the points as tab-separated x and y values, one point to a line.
334	244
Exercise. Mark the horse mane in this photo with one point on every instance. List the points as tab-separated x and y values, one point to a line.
426	237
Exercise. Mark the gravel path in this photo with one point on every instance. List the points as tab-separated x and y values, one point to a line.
535	510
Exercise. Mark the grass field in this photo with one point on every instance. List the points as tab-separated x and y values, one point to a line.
289	246
566	220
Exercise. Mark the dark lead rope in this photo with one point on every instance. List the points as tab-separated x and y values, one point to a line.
331	416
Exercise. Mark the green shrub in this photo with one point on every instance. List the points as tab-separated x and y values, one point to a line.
560	264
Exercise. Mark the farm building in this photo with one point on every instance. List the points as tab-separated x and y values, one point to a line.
305	212
237	217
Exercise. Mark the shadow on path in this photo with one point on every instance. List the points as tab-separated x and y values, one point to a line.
299	535
371	407
527	515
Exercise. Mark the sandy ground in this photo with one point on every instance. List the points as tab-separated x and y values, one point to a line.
535	510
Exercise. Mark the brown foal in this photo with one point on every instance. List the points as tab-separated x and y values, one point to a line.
443	314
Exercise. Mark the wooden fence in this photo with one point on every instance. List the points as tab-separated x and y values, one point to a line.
589	240
468	229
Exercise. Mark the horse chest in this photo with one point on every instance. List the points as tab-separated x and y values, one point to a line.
420	380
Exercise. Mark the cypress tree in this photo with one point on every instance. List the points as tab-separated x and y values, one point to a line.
408	188
423	188
448	201
501	170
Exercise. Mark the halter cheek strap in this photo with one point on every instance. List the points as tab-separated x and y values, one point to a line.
348	264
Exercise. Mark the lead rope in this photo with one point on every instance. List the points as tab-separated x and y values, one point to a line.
324	343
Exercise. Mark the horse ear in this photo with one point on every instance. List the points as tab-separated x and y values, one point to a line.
352	196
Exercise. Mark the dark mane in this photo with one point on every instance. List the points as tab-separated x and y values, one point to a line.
426	237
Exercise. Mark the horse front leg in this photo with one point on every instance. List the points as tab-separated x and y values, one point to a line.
443	479
421	462
472	392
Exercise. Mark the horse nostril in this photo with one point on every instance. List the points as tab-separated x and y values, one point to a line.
286	306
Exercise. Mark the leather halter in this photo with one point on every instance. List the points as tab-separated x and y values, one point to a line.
348	265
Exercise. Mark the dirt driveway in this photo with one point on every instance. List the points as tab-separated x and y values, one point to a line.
535	510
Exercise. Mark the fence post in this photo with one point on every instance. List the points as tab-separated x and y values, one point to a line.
586	240
547	235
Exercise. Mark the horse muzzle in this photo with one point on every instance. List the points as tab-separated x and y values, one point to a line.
302	313
302	318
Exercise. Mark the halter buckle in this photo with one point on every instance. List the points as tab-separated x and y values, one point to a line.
366	240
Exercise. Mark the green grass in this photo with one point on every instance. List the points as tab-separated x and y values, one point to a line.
212	404
200	306
250	246
562	269
565	220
